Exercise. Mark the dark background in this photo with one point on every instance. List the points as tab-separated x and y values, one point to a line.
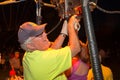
106	27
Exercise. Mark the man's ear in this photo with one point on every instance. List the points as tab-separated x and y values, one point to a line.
30	46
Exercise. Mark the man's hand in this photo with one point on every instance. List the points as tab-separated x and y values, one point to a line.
64	28
77	26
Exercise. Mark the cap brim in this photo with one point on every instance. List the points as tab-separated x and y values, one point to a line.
41	29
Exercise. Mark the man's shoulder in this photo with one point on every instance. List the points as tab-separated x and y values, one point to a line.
106	68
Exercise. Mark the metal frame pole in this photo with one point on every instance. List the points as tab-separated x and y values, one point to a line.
93	50
38	11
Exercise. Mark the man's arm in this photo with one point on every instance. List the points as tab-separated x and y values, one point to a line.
73	37
60	39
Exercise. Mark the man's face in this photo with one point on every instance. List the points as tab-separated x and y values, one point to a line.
17	54
41	42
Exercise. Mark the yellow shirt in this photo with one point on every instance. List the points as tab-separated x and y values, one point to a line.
46	65
106	71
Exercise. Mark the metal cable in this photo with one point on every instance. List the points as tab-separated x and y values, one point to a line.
55	27
103	10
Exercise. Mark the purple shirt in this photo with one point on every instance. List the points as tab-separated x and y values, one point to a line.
74	76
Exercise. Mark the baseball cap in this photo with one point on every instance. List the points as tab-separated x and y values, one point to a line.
29	29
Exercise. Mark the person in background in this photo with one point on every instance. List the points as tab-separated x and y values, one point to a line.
80	64
15	63
13	76
43	60
106	71
3	61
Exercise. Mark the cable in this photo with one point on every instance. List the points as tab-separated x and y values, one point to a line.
55	27
103	10
106	11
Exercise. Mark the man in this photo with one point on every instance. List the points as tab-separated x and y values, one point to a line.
15	63
43	60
